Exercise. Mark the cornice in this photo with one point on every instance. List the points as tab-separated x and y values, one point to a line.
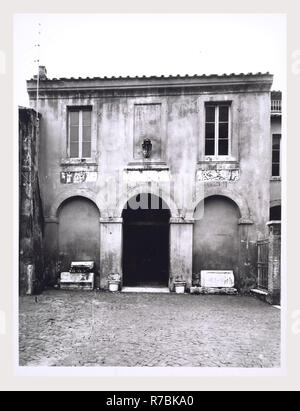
124	86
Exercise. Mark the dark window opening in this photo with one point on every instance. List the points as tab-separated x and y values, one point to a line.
275	213
276	141
223	147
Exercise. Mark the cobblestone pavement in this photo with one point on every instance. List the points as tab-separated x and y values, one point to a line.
70	328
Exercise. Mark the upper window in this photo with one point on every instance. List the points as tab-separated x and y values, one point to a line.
80	139
276	138
217	134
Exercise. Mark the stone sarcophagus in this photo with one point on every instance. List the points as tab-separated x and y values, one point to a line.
80	276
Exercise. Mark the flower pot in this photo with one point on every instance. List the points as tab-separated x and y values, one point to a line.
180	287
113	285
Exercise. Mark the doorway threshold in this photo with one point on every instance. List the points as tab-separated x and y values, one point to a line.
145	290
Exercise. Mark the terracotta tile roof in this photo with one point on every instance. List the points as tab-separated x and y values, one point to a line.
178	76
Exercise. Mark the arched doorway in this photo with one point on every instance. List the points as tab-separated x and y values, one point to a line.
216	240
78	232
146	241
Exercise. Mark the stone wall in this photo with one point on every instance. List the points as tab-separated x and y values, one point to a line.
31	264
173	113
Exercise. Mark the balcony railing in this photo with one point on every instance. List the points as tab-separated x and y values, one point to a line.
275	106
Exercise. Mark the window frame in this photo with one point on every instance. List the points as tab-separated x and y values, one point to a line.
216	155
80	110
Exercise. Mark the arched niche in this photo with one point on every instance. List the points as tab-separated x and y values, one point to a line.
78	231
215	236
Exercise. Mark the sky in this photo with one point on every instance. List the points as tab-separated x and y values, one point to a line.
97	45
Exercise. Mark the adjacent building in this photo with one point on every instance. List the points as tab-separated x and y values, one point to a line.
157	178
275	193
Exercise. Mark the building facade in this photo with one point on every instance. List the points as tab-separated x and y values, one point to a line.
275	189
155	178
31	258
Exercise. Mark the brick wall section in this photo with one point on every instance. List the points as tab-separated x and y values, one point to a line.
31	273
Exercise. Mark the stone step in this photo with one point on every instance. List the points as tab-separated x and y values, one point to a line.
145	290
214	290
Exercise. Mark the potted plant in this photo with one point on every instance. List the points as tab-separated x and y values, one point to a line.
179	284
114	281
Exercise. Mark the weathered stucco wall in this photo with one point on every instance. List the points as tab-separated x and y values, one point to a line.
116	157
31	263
